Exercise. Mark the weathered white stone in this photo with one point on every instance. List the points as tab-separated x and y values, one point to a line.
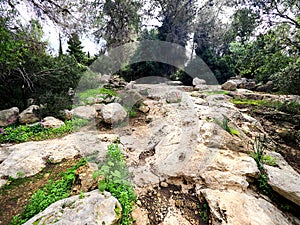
229	86
174	96
8	116
30	158
144	108
94	208
197	81
239	208
29	115
52	122
285	183
174	217
112	113
85	112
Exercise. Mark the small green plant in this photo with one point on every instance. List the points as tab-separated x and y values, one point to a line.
269	160
81	195
52	192
258	147
117	182
36	132
203	212
225	125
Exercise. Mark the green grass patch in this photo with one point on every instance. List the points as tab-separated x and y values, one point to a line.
117	182
94	92
36	132
215	92
289	107
52	192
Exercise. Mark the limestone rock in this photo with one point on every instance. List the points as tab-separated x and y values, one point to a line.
85	112
8	116
30	158
239	208
197	81
201	87
112	113
105	79
85	181
66	114
29	115
94	208
174	83
229	86
174	96
174	217
144	108
52	122
131	98
130	85
285	183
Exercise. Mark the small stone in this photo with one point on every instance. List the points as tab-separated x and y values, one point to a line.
164	184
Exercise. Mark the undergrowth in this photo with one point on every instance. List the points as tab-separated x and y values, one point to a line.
23	133
258	148
50	193
225	125
117	182
289	107
83	96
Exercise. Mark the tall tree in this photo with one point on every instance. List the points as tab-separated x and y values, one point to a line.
75	48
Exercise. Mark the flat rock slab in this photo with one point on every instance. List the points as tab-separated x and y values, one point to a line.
239	208
27	159
94	208
284	183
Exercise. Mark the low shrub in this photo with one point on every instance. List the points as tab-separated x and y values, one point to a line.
117	182
52	192
23	133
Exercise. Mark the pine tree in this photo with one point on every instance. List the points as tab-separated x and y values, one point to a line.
60	50
75	48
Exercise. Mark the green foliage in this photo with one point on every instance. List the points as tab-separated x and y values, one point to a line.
258	147
94	92
28	71
203	212
269	160
216	92
225	125
52	192
289	107
22	133
117	182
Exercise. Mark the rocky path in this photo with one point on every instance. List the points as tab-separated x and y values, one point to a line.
186	168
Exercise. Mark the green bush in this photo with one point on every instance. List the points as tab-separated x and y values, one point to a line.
117	182
225	125
36	132
52	192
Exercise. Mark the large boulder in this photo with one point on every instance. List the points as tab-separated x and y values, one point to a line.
8	116
52	122
174	96
284	182
268	87
30	115
197	81
112	113
94	208
85	112
229	86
